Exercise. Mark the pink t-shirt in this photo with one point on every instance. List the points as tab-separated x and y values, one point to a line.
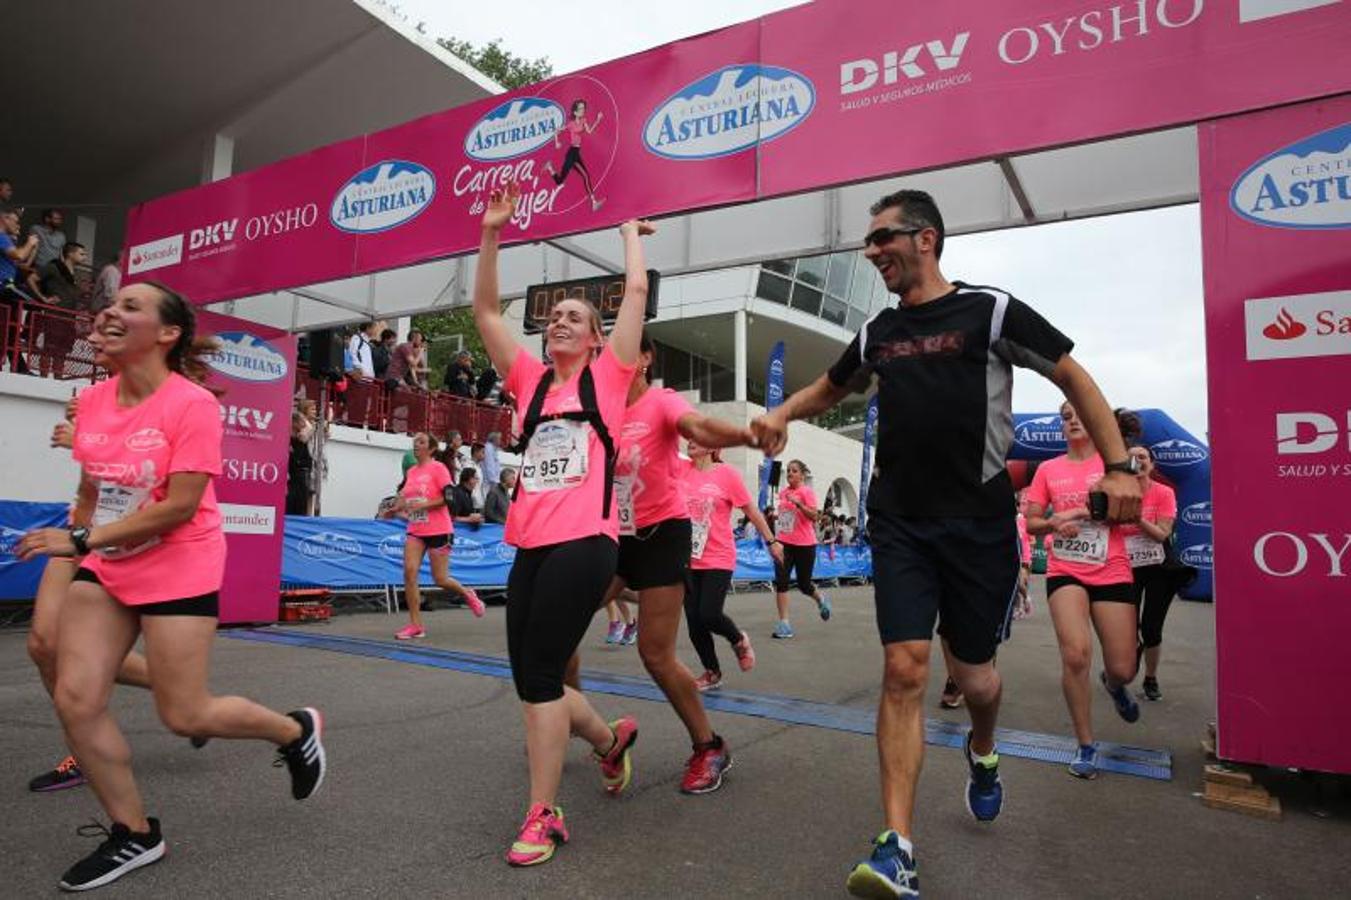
1159	502
129	454
710	496
1098	554
575	129
562	476
1024	542
425	483
791	526
647	473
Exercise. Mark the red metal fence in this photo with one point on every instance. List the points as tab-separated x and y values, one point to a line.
53	343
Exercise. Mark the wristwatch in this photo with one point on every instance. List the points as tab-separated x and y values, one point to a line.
80	538
1131	466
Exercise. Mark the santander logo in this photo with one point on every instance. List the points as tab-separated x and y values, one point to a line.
1285	327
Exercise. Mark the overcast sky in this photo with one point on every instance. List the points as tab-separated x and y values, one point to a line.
1126	289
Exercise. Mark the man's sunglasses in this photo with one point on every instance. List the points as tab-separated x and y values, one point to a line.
880	236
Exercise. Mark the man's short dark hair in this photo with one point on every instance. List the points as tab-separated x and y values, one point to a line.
467	474
918	210
71	247
48	211
387	334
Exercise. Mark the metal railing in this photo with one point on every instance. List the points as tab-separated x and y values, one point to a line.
52	342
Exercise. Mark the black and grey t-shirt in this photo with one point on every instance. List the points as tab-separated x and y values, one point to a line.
945	385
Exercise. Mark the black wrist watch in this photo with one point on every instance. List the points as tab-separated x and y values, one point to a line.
1131	466
80	538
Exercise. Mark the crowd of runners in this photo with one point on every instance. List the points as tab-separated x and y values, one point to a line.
609	511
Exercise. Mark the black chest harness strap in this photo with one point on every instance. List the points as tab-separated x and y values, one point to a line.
589	413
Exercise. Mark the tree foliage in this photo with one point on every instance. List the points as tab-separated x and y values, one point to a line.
503	66
438	328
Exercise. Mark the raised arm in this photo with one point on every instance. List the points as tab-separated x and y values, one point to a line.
497	339
628	331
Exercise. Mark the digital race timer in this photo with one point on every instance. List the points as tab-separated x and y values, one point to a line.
606	293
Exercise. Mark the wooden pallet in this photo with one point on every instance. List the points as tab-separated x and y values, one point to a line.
1234	790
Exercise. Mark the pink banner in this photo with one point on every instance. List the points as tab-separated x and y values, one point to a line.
1276	222
255	373
809	98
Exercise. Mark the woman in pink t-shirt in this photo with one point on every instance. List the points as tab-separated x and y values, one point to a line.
576	126
712	490
148	441
655	544
563	520
422	501
1088	585
1146	545
795	524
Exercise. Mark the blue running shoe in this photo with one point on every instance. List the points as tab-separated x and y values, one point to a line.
782	630
824	608
984	792
887	874
1126	707
1085	762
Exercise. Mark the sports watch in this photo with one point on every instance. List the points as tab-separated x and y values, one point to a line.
80	538
1131	466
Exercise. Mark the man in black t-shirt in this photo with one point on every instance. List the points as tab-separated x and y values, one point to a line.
940	506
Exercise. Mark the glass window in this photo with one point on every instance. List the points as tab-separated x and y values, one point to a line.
861	287
722	384
854	321
807	299
782	266
812	270
773	288
674	368
841	267
833	310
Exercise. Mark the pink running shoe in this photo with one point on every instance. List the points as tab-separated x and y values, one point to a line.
615	634
616	766
709	681
630	633
745	656
542	831
410	631
475	604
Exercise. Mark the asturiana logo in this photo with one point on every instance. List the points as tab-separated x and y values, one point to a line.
467	549
1304	185
1200	556
1178	452
517	127
1040	433
383	196
506	553
1198	514
247	358
392	546
729	111
331	545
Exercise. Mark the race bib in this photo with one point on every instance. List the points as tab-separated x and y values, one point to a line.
1089	546
417	515
1143	550
556	458
115	503
787	521
698	538
624	504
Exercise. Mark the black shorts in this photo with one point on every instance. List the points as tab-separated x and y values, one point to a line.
1121	592
799	558
961	573
203	605
657	556
433	541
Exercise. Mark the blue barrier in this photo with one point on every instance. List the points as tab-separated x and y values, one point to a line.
368	553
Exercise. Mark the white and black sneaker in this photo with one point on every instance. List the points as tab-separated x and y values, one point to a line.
304	757
121	852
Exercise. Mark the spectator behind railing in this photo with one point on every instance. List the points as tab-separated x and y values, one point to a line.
106	284
51	239
363	361
492	465
498	502
300	466
382	351
460	377
408	363
460	499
